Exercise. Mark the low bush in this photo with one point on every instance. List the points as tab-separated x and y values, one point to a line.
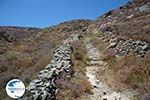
78	85
10	55
132	71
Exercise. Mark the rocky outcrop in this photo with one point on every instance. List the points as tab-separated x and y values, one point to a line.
131	22
126	28
145	8
5	36
46	87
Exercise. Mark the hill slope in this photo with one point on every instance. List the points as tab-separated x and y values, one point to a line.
122	36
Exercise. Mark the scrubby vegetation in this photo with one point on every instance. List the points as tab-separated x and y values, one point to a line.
131	70
30	49
79	84
25	51
128	71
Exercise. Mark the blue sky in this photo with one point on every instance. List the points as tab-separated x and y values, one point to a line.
43	13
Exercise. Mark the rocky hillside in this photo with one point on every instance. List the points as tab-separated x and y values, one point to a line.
105	59
25	51
125	31
11	34
126	28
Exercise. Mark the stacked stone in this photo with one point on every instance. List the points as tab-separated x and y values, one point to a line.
45	87
131	46
126	46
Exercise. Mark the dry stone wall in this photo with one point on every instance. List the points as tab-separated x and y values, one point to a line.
45	87
126	46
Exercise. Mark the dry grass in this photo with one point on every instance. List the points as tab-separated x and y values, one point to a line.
82	85
79	56
136	28
94	38
32	52
10	55
26	58
135	71
131	70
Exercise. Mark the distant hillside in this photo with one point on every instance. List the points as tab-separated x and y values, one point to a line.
11	33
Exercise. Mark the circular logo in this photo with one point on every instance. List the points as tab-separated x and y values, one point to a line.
15	88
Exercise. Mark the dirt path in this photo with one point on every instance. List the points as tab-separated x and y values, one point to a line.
100	90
